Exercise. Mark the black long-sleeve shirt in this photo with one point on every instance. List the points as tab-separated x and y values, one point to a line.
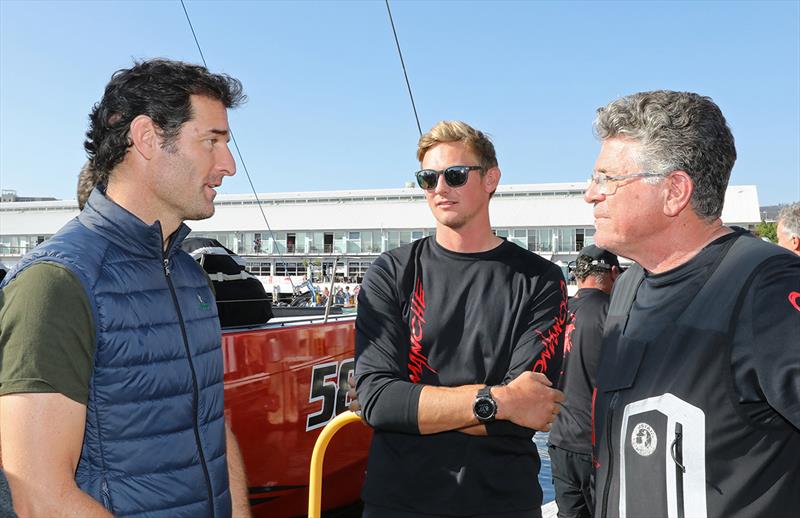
587	314
765	359
429	316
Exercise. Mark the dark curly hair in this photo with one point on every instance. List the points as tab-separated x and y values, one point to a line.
158	88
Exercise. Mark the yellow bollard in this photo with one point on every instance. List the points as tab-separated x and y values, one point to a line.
315	474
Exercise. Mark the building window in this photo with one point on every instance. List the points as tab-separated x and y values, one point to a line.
338	243
354	242
392	239
316	243
377	242
519	236
589	233
366	242
540	239
566	240
356	270
289	268
328	243
291	239
279	246
259	268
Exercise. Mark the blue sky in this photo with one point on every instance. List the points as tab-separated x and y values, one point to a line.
328	108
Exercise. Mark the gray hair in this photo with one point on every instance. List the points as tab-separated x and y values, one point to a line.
790	217
677	131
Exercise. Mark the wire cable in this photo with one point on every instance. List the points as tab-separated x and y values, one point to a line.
403	64
239	153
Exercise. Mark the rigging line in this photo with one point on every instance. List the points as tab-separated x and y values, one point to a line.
239	152
194	35
403	63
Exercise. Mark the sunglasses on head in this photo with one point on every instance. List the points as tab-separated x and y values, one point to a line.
454	176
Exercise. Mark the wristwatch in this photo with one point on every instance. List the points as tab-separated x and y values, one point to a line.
485	407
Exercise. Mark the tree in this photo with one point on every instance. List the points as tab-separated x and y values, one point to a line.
768	230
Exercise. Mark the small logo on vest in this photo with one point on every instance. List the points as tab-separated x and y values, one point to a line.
643	439
202	304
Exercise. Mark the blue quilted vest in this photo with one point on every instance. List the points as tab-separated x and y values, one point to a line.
155	435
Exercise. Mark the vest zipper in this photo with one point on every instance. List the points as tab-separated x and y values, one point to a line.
610	443
676	450
106	494
195	389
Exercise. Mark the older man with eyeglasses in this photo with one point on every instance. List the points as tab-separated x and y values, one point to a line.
458	340
788	228
697	406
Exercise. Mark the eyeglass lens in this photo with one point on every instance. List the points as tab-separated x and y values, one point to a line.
454	177
604	186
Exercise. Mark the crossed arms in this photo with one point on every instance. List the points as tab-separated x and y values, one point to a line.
526	400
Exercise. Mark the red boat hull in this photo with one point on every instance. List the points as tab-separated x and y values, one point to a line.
282	385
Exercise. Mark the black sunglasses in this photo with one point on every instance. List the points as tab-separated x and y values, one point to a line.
454	176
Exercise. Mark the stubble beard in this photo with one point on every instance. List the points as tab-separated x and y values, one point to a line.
200	213
190	207
454	223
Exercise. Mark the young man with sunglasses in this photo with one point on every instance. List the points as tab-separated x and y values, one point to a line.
458	342
697	405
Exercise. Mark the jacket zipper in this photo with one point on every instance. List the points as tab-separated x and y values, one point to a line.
195	390
676	450
106	494
610	443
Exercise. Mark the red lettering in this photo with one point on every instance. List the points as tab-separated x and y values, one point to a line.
416	329
551	337
417	361
568	337
419	294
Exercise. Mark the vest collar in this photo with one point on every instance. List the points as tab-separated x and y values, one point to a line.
126	230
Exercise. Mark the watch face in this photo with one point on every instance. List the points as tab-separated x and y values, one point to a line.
484	408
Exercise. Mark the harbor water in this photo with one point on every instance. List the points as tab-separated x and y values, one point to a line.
545	473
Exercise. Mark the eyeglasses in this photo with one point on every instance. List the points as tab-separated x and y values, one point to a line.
454	176
608	185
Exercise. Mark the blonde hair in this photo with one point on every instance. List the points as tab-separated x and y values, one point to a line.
458	131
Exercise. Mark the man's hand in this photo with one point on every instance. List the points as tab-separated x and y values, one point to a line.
354	404
529	401
351	395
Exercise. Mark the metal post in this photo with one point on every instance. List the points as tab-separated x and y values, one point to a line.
330	295
315	473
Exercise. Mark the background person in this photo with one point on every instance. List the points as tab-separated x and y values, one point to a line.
87	180
570	440
455	336
697	410
788	229
110	358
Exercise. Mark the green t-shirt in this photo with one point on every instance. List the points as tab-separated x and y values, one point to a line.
47	334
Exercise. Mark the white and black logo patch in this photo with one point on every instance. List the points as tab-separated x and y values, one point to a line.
643	439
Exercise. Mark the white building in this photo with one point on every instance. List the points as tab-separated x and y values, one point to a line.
311	229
